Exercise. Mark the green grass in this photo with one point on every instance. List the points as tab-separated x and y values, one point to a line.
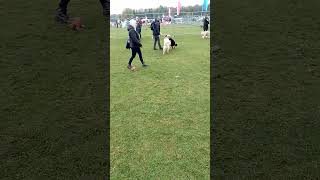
160	115
53	93
266	90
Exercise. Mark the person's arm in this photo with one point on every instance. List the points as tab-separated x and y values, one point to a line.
134	39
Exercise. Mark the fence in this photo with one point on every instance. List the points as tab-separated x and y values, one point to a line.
189	18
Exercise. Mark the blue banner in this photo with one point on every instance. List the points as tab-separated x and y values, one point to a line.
205	5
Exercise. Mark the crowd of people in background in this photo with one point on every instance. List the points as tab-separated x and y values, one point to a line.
134	27
123	23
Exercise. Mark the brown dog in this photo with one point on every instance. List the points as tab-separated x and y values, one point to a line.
75	24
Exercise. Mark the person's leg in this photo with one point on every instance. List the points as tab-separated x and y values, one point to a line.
61	14
159	42
104	4
140	55
154	42
139	34
63	4
133	55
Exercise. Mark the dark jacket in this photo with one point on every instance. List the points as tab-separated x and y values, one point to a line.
139	26
133	38
205	22
156	28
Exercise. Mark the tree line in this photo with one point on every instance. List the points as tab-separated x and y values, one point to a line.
128	12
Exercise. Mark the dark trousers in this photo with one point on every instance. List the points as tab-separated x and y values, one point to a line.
139	32
156	39
64	4
205	28
134	51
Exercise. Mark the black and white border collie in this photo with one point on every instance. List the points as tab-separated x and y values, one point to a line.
168	44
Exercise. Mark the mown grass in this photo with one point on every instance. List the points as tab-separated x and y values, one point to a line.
160	114
265	84
53	93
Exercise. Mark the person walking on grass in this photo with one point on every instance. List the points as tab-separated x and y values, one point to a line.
135	45
155	27
62	14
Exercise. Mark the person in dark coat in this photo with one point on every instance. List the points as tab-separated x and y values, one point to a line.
62	15
155	27
205	24
135	46
117	23
139	27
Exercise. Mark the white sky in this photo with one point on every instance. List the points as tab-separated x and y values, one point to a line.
116	6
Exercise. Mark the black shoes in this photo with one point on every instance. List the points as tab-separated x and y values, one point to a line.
130	66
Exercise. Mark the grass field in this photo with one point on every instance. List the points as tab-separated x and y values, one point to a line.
265	82
266	90
53	93
160	115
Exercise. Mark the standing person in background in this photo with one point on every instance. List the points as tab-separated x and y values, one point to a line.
155	27
62	14
135	46
205	24
118	23
139	27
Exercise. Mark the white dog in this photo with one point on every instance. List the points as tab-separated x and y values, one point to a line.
166	44
205	34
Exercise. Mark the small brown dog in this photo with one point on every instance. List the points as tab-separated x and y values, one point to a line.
75	24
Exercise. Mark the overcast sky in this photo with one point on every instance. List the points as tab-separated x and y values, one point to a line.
117	6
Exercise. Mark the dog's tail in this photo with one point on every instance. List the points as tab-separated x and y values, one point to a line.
176	45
